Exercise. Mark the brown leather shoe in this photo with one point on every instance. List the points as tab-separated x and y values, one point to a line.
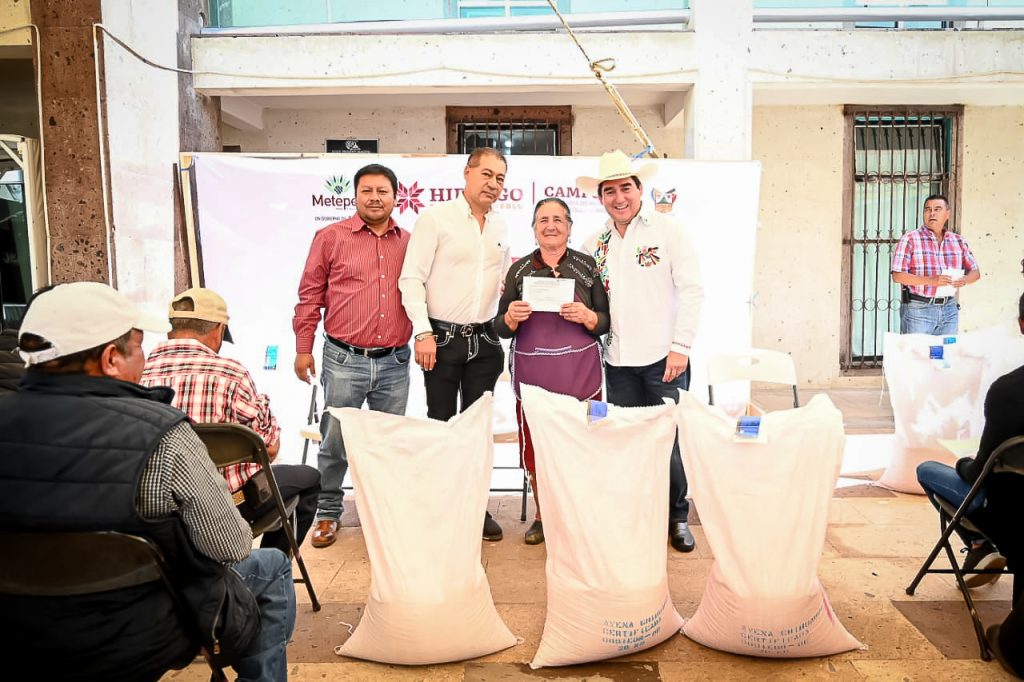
324	534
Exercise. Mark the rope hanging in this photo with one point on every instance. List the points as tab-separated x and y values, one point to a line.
599	68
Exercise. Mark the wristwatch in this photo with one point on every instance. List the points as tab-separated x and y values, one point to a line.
423	335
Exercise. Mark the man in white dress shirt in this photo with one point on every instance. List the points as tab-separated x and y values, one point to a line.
652	276
450	283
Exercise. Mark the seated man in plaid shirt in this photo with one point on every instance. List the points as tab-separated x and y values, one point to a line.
921	263
211	388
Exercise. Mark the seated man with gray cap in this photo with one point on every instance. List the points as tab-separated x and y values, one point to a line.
85	448
211	388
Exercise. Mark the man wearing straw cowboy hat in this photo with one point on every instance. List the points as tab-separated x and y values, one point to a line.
650	271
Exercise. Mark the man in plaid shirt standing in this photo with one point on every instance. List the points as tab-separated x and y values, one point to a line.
211	388
921	264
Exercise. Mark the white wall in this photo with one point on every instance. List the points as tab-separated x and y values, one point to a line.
413	130
992	212
600	129
142	125
422	130
797	267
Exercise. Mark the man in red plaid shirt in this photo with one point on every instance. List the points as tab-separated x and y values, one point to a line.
211	388
922	262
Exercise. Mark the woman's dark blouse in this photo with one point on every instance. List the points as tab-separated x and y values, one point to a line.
574	265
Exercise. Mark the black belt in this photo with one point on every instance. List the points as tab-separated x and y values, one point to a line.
461	329
365	352
941	300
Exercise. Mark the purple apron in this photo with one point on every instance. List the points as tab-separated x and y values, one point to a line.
557	355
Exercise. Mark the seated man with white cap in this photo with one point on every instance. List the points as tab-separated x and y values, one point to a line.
211	388
85	448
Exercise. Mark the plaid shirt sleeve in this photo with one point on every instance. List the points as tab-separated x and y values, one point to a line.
180	479
970	264
901	256
252	409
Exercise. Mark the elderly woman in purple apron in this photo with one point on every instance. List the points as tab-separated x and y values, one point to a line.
559	351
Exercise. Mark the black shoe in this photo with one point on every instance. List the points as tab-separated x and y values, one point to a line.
992	635
680	536
535	533
492	531
984	556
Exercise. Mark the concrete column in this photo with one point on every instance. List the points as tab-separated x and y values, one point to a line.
153	115
199	125
717	110
79	244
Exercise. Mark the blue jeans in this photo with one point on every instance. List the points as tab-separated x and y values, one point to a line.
268	573
643	387
349	380
917	317
940	479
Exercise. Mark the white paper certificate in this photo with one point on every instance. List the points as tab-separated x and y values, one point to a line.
547	294
949	289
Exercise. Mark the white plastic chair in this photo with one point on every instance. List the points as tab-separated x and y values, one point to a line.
757	364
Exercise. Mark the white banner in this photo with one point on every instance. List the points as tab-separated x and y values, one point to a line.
257	217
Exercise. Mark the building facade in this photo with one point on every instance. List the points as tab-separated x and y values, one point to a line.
855	114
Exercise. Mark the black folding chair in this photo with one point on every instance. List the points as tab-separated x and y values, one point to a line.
80	563
233	444
1008	458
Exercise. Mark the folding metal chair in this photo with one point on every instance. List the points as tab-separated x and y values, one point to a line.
75	564
757	364
232	444
524	490
1007	458
311	432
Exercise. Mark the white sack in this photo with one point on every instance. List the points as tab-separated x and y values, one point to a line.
422	488
604	499
932	401
764	509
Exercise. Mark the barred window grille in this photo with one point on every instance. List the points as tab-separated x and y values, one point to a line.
899	157
515	131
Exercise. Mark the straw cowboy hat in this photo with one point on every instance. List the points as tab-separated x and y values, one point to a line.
614	166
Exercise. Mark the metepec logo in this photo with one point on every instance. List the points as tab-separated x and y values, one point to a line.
338	193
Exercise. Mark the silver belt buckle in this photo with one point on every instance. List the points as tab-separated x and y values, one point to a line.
466	330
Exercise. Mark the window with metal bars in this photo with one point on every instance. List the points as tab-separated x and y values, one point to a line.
898	156
514	131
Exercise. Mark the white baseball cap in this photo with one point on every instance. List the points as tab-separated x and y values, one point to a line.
82	315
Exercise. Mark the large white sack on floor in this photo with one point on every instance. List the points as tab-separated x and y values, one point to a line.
764	509
941	399
604	499
421	490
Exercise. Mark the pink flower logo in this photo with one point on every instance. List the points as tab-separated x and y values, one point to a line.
409	198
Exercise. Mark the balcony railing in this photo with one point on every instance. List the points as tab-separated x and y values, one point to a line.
256	13
472	16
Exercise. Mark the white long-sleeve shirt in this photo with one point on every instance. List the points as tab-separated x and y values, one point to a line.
654	289
453	270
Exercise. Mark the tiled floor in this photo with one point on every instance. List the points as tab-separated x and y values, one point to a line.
875	542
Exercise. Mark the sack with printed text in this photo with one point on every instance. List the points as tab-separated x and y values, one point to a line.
421	490
603	485
763	493
937	386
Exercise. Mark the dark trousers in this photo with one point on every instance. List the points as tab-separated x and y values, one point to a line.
466	368
643	387
292	479
1001	521
1011	634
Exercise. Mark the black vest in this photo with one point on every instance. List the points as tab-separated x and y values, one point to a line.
72	451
